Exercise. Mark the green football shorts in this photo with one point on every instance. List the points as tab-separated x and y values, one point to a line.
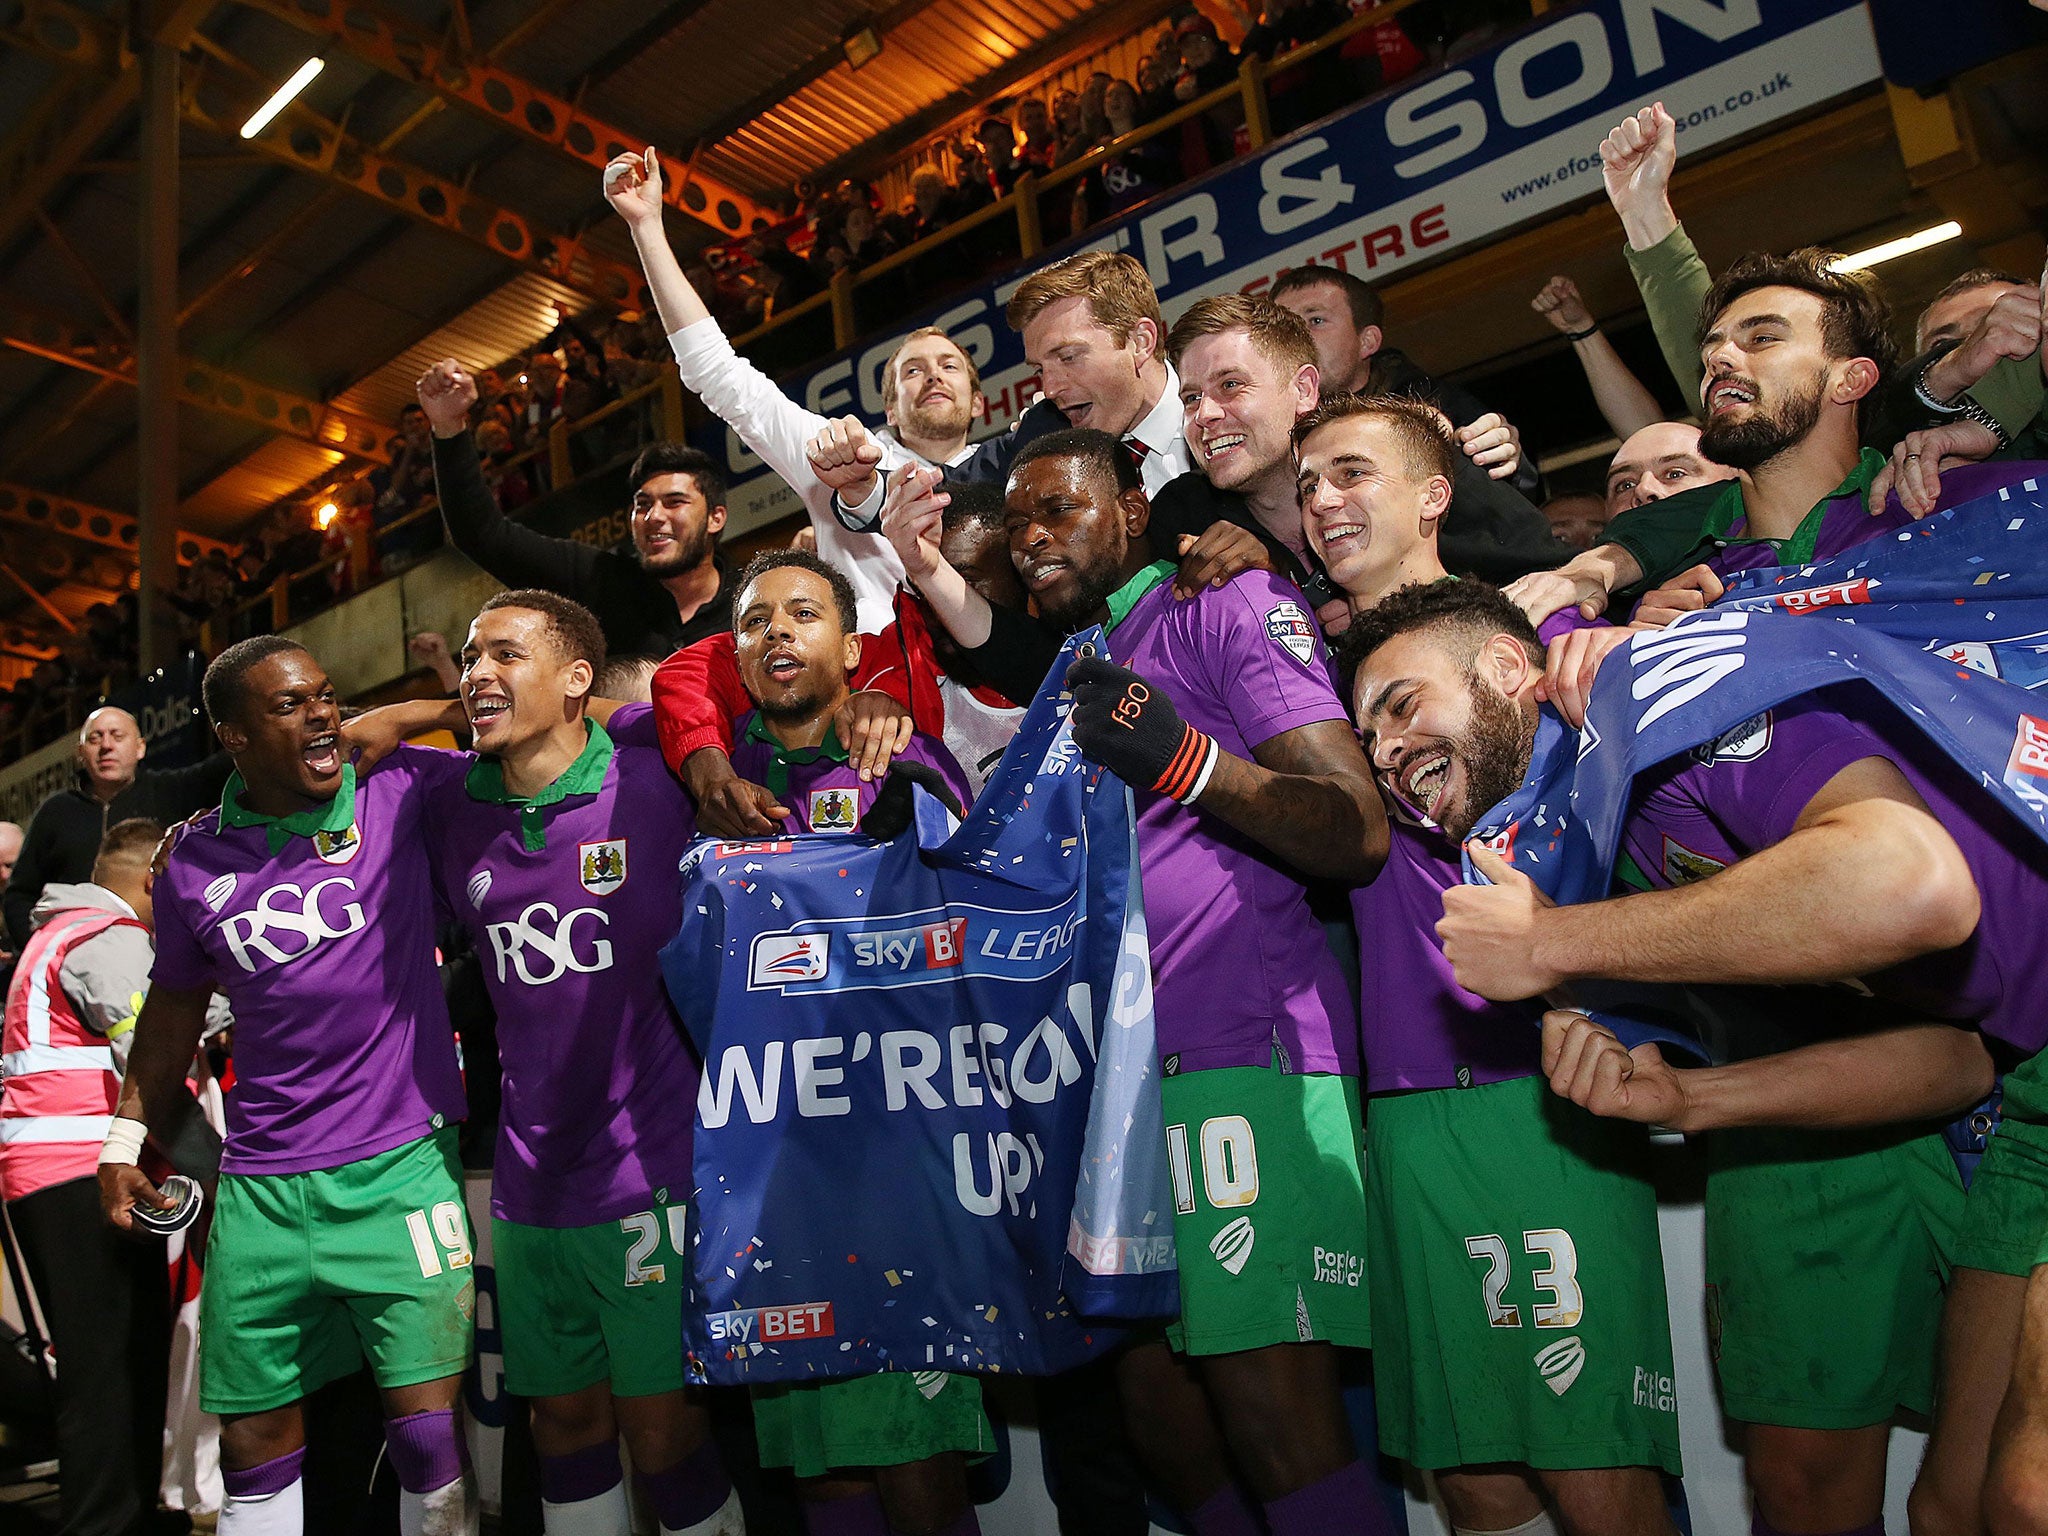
1827	1254
1518	1282
1269	1209
2005	1221
309	1273
580	1305
882	1420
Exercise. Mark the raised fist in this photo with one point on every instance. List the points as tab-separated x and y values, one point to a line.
446	393
632	185
1560	304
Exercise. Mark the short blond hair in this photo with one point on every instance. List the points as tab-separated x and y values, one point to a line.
1118	292
1280	334
889	372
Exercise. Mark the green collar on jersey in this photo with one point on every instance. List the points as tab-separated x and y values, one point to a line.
1125	597
780	758
585	776
337	815
1798	549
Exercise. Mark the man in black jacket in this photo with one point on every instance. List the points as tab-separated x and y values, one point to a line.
671	591
64	834
1248	370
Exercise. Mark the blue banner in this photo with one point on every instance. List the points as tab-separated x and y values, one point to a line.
1948	620
1442	161
929	1134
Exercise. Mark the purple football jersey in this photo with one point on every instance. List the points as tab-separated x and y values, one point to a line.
1844	523
825	793
325	951
1421	1029
599	1085
1241	970
1698	813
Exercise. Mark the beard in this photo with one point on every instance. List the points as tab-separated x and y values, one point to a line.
1746	445
691	549
1089	594
1495	751
941	419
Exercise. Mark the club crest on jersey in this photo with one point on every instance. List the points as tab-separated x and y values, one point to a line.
338	847
218	890
1287	626
1682	866
834	810
479	887
601	867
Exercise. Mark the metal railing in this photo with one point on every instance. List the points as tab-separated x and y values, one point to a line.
839	300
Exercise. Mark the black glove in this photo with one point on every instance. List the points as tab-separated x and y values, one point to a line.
1133	730
894	806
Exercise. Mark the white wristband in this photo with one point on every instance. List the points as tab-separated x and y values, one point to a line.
124	1142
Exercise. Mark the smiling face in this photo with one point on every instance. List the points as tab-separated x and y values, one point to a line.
1768	376
1239	407
1365	510
285	735
1070	533
110	749
1343	351
935	395
794	651
1661	460
517	685
674	527
1444	735
1094	381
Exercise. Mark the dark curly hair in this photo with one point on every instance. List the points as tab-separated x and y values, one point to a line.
1458	604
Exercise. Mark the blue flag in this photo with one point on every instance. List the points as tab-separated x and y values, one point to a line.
1947	619
929	1134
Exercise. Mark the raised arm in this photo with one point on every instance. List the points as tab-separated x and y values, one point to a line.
1627	406
1636	161
1867	878
516	555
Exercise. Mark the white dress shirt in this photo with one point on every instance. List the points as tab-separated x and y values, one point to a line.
778	430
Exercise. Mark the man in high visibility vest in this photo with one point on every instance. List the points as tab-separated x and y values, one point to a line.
105	1298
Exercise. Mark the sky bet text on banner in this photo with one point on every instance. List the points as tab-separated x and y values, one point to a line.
886	1175
1440	162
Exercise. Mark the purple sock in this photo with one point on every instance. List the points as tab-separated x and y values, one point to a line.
1759	1526
1224	1513
581	1474
691	1491
969	1524
273	1476
426	1449
860	1516
1347	1501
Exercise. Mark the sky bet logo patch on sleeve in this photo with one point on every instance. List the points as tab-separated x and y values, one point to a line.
1287	626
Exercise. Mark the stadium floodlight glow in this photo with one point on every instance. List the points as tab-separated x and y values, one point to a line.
1890	250
323	519
301	78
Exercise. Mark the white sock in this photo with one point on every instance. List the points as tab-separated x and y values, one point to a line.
282	1513
726	1520
1542	1525
606	1515
450	1510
